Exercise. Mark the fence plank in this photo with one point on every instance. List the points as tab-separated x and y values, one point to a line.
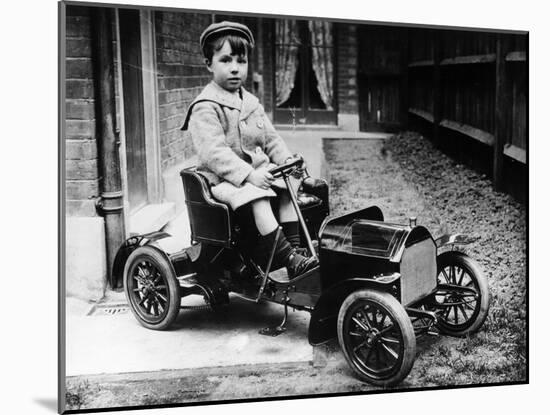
517	56
518	154
419	64
404	80
422	114
502	103
475	133
437	95
461	60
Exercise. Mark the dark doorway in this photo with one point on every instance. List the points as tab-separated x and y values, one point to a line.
132	84
304	74
380	77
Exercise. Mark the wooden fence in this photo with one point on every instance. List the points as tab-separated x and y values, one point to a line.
473	85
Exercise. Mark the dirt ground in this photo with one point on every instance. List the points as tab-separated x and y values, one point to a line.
457	199
405	176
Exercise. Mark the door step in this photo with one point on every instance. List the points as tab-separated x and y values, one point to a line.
307	127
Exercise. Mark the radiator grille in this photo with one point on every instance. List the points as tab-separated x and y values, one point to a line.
418	271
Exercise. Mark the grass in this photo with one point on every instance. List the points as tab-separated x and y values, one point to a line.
77	395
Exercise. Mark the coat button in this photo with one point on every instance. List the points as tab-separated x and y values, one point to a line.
243	123
260	124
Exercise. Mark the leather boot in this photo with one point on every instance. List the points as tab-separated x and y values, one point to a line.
291	230
299	264
285	255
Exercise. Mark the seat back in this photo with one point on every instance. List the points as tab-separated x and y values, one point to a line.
210	220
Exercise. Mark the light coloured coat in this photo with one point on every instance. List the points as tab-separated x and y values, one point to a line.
232	137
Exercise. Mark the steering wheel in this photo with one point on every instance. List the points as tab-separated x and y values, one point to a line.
287	168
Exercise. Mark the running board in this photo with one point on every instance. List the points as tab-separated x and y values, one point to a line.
296	279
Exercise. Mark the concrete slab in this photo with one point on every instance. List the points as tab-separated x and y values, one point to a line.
309	144
78	307
151	217
85	258
180	229
172	185
356	135
117	343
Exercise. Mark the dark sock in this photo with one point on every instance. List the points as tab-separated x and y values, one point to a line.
282	251
292	232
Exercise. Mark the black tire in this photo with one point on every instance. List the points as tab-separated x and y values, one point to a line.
151	288
377	337
460	313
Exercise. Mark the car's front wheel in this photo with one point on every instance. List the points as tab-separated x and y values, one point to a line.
462	297
377	337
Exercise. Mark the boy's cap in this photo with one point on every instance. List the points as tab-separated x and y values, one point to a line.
220	27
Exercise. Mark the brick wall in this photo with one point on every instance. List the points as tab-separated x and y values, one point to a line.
346	41
82	178
181	77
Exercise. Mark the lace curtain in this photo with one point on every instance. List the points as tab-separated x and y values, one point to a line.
322	51
286	61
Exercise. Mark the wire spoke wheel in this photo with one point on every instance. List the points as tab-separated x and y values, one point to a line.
151	288
462	297
376	337
151	296
385	357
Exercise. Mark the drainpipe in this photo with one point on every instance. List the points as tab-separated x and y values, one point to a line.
110	203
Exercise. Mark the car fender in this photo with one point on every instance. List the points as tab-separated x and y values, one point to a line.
129	246
322	325
450	240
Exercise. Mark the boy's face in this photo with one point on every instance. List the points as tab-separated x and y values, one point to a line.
228	70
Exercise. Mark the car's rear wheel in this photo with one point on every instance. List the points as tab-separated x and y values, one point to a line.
462	297
151	288
376	337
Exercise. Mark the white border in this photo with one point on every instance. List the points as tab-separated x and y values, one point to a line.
29	187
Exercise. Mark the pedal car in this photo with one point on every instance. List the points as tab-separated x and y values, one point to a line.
378	284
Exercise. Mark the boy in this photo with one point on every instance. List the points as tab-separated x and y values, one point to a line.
236	145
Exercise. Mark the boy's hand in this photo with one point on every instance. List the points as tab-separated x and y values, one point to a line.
299	172
260	177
